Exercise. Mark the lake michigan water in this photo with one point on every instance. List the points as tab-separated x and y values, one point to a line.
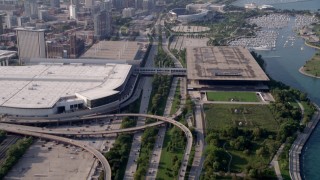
283	65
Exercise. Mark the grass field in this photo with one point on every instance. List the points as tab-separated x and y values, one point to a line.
219	116
165	165
235	95
313	66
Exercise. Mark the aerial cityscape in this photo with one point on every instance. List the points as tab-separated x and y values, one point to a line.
159	89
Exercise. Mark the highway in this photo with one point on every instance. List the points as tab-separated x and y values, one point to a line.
157	150
87	132
96	153
45	134
198	159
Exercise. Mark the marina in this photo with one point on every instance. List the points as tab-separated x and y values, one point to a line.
266	38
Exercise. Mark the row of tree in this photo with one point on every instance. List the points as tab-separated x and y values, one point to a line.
147	144
118	155
13	154
2	136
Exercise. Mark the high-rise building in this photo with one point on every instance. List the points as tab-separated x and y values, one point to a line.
22	20
1	24
106	5
55	3
88	3
31	8
138	4
71	48
128	12
102	20
100	25
31	44
73	12
11	21
147	5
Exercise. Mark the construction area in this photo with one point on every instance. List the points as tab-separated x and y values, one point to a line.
116	50
207	66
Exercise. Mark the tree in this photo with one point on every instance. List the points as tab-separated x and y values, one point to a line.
262	152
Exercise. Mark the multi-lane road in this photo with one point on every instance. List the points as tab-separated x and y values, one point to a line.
96	153
44	133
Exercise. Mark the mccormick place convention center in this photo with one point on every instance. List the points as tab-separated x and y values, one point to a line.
46	87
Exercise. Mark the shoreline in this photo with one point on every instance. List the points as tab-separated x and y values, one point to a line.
307	44
298	145
301	70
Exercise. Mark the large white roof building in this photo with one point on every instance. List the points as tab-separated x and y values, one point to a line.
55	88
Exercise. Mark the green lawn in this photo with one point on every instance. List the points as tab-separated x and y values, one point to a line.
235	95
219	116
241	160
165	165
313	66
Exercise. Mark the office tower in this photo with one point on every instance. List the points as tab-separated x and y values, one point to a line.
100	24
55	3
138	4
22	20
11	21
31	44
88	3
73	12
106	5
102	20
31	8
1	24
128	12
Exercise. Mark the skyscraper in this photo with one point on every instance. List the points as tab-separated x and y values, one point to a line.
100	27
31	8
72	12
1	24
55	3
102	20
31	44
88	3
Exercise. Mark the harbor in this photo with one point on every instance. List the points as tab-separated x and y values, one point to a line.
266	38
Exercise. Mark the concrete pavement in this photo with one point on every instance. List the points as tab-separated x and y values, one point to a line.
136	143
200	143
297	146
96	153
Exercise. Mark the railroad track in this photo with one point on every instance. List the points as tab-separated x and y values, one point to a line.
5	145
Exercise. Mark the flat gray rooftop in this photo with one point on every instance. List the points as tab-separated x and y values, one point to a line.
41	86
223	63
121	50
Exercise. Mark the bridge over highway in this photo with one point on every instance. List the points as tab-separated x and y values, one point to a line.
93	151
26	130
60	132
162	71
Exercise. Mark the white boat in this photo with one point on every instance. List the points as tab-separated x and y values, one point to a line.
262	48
